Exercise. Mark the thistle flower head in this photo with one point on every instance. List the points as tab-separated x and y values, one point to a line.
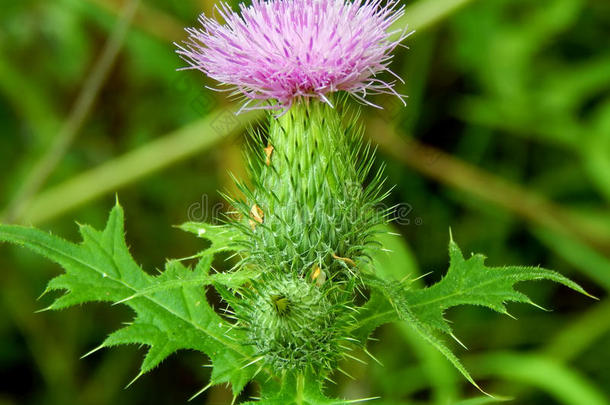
285	50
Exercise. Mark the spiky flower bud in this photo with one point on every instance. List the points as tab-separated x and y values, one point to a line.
292	322
307	208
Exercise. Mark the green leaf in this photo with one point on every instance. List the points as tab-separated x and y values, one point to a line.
301	390
394	261
221	237
376	312
395	293
172	312
468	281
471	282
177	276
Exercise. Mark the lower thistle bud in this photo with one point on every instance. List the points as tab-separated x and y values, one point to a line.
292	322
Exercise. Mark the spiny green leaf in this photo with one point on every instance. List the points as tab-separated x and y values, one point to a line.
221	237
394	261
177	276
468	281
471	282
395	293
172	312
376	312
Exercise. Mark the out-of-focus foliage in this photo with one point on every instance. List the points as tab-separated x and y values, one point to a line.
519	90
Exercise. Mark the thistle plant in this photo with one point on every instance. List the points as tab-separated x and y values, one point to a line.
303	292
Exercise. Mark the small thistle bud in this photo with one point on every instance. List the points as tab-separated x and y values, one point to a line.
291	322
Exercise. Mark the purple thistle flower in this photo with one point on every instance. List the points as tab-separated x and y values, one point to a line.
285	50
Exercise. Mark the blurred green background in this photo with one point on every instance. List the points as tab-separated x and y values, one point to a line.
506	140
